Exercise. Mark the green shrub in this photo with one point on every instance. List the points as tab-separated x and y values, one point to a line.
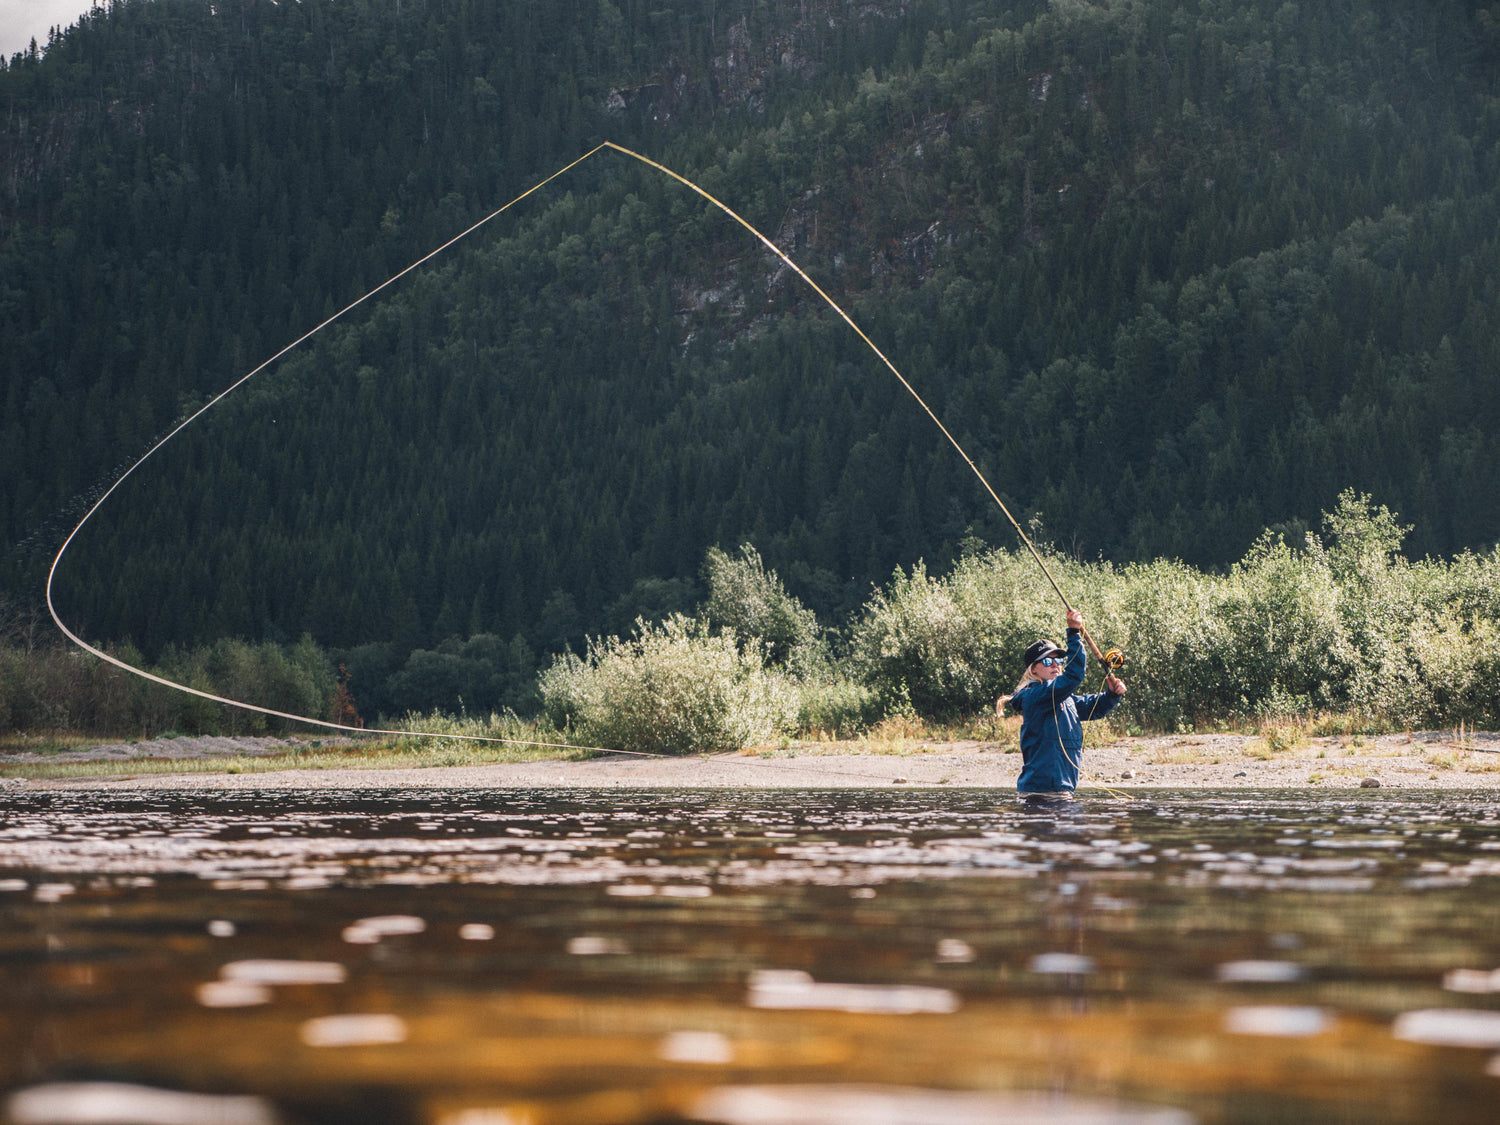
1281	644
57	687
672	688
750	603
950	646
1479	701
835	706
1174	642
1341	624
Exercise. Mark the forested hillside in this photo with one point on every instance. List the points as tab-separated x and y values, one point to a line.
1172	272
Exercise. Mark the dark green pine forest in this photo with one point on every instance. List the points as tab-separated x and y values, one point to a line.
1172	271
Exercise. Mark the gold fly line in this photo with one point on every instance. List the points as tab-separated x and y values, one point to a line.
328	725
1105	660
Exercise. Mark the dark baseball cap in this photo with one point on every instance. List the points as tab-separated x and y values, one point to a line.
1038	649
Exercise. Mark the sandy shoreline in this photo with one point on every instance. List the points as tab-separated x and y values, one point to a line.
1422	760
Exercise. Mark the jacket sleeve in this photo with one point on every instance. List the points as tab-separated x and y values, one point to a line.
1097	705
1072	673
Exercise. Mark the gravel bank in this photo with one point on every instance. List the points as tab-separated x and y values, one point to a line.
1423	760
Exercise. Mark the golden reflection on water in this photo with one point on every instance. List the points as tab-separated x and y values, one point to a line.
938	958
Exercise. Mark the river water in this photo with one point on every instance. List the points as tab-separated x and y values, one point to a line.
872	958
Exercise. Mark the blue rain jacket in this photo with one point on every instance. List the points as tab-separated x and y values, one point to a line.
1052	720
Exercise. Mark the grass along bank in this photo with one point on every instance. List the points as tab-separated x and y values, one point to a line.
445	741
1324	750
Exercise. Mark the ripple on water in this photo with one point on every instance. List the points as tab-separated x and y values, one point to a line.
1449	1027
794	989
954	951
1260	972
863	1105
96	1103
591	945
368	931
1069	964
1472	980
1289	1021
354	1030
700	1047
232	994
272	971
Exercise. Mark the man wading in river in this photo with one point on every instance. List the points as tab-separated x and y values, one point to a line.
1052	716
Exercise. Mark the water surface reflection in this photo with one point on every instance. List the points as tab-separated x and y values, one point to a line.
494	958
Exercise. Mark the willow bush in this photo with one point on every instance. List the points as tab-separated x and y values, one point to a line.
946	646
836	705
671	688
1173	639
1338	623
751	604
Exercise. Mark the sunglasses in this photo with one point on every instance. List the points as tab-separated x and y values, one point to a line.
1052	661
